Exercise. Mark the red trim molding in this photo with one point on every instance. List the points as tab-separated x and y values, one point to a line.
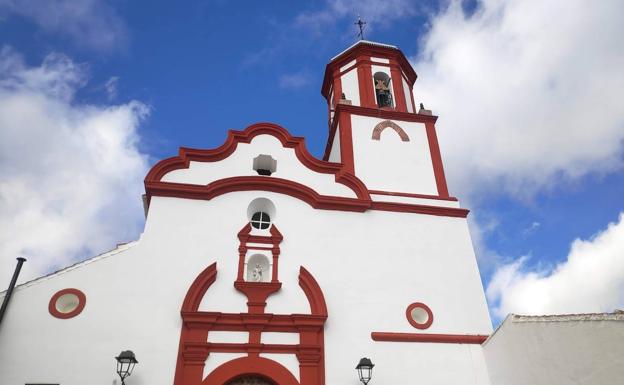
436	159
433	338
388	123
413	322
409	195
250	366
194	349
82	301
187	155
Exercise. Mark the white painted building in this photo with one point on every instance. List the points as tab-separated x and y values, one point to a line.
260	263
580	349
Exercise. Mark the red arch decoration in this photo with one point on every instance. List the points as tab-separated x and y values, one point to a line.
194	347
250	366
388	123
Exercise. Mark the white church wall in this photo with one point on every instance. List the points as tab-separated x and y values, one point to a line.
334	154
240	163
369	269
350	86
583	349
408	95
390	164
414	200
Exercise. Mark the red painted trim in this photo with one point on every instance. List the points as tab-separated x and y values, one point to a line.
313	292
252	183
187	155
410	195
420	209
412	321
379	127
397	87
82	302
199	287
384	114
346	143
436	159
194	349
254	366
434	338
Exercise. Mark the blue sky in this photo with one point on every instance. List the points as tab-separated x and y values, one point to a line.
531	121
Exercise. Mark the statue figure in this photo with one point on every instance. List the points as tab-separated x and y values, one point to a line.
256	274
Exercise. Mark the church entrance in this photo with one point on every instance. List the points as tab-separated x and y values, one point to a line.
250	380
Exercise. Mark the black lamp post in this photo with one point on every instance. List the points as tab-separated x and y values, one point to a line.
125	363
365	370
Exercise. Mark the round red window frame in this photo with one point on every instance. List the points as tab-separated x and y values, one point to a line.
412	321
82	301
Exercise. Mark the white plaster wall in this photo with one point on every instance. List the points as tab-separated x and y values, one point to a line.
334	154
408	95
389	164
547	353
380	60
350	87
370	265
240	163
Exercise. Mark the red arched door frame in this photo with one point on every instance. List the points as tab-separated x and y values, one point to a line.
250	366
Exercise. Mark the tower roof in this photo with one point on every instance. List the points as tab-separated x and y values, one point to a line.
369	49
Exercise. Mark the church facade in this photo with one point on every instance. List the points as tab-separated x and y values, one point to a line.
261	264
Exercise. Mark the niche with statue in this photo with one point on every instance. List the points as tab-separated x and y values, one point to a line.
258	268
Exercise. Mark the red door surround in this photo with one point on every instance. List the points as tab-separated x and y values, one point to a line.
194	348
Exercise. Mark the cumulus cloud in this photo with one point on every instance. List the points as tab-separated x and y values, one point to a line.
528	92
296	80
89	23
70	173
590	280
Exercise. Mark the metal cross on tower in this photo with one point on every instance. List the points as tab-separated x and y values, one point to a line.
360	24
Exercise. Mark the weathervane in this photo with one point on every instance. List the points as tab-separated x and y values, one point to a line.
360	24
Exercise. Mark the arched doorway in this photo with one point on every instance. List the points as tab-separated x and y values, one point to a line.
250	380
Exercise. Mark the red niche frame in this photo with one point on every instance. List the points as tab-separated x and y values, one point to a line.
412	321
82	301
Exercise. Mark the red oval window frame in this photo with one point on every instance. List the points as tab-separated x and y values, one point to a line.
82	301
412	321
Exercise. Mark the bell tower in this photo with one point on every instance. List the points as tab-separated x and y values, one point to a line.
374	127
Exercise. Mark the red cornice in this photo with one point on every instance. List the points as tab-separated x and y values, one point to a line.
425	337
186	155
410	195
249	183
385	114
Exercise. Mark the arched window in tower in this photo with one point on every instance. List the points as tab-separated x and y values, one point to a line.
382	89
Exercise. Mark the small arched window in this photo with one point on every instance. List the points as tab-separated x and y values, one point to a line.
382	89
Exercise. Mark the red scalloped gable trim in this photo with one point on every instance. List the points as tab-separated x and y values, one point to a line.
186	155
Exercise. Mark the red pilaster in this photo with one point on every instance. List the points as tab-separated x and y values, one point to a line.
436	159
397	87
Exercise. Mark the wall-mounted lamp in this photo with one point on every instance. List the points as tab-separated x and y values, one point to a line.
365	370
125	364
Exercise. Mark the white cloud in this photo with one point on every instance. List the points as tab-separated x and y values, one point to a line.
111	87
296	80
89	23
528	92
70	173
590	280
